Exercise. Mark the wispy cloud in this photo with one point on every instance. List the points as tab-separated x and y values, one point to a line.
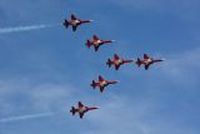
127	115
182	66
25	28
26	117
39	98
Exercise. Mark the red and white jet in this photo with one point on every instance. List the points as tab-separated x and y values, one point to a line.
81	109
97	42
102	83
117	62
75	22
147	61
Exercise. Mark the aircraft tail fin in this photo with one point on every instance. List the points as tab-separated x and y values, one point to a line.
93	85
66	23
88	43
73	110
109	62
138	62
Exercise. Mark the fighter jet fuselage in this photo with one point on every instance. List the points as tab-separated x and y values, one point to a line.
81	109
102	83
75	22
147	61
117	61
96	42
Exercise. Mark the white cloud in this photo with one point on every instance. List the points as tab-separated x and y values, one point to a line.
183	67
125	115
52	96
26	117
20	97
120	115
25	28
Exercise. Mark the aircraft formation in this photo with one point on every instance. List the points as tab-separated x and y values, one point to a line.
117	61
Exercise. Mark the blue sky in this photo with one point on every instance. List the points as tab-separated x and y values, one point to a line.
48	70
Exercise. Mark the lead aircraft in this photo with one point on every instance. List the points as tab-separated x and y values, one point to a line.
75	22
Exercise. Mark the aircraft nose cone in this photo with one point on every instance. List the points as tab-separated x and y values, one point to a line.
163	59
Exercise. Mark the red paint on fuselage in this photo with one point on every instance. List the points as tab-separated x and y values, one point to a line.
81	109
102	83
96	42
117	61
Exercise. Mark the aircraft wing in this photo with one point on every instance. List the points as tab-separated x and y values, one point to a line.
80	104
117	67
101	78
81	115
95	37
73	17
74	28
116	57
146	67
146	56
101	89
96	48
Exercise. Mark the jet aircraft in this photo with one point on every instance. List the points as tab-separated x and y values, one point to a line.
96	42
147	61
117	61
102	83
81	109
75	22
